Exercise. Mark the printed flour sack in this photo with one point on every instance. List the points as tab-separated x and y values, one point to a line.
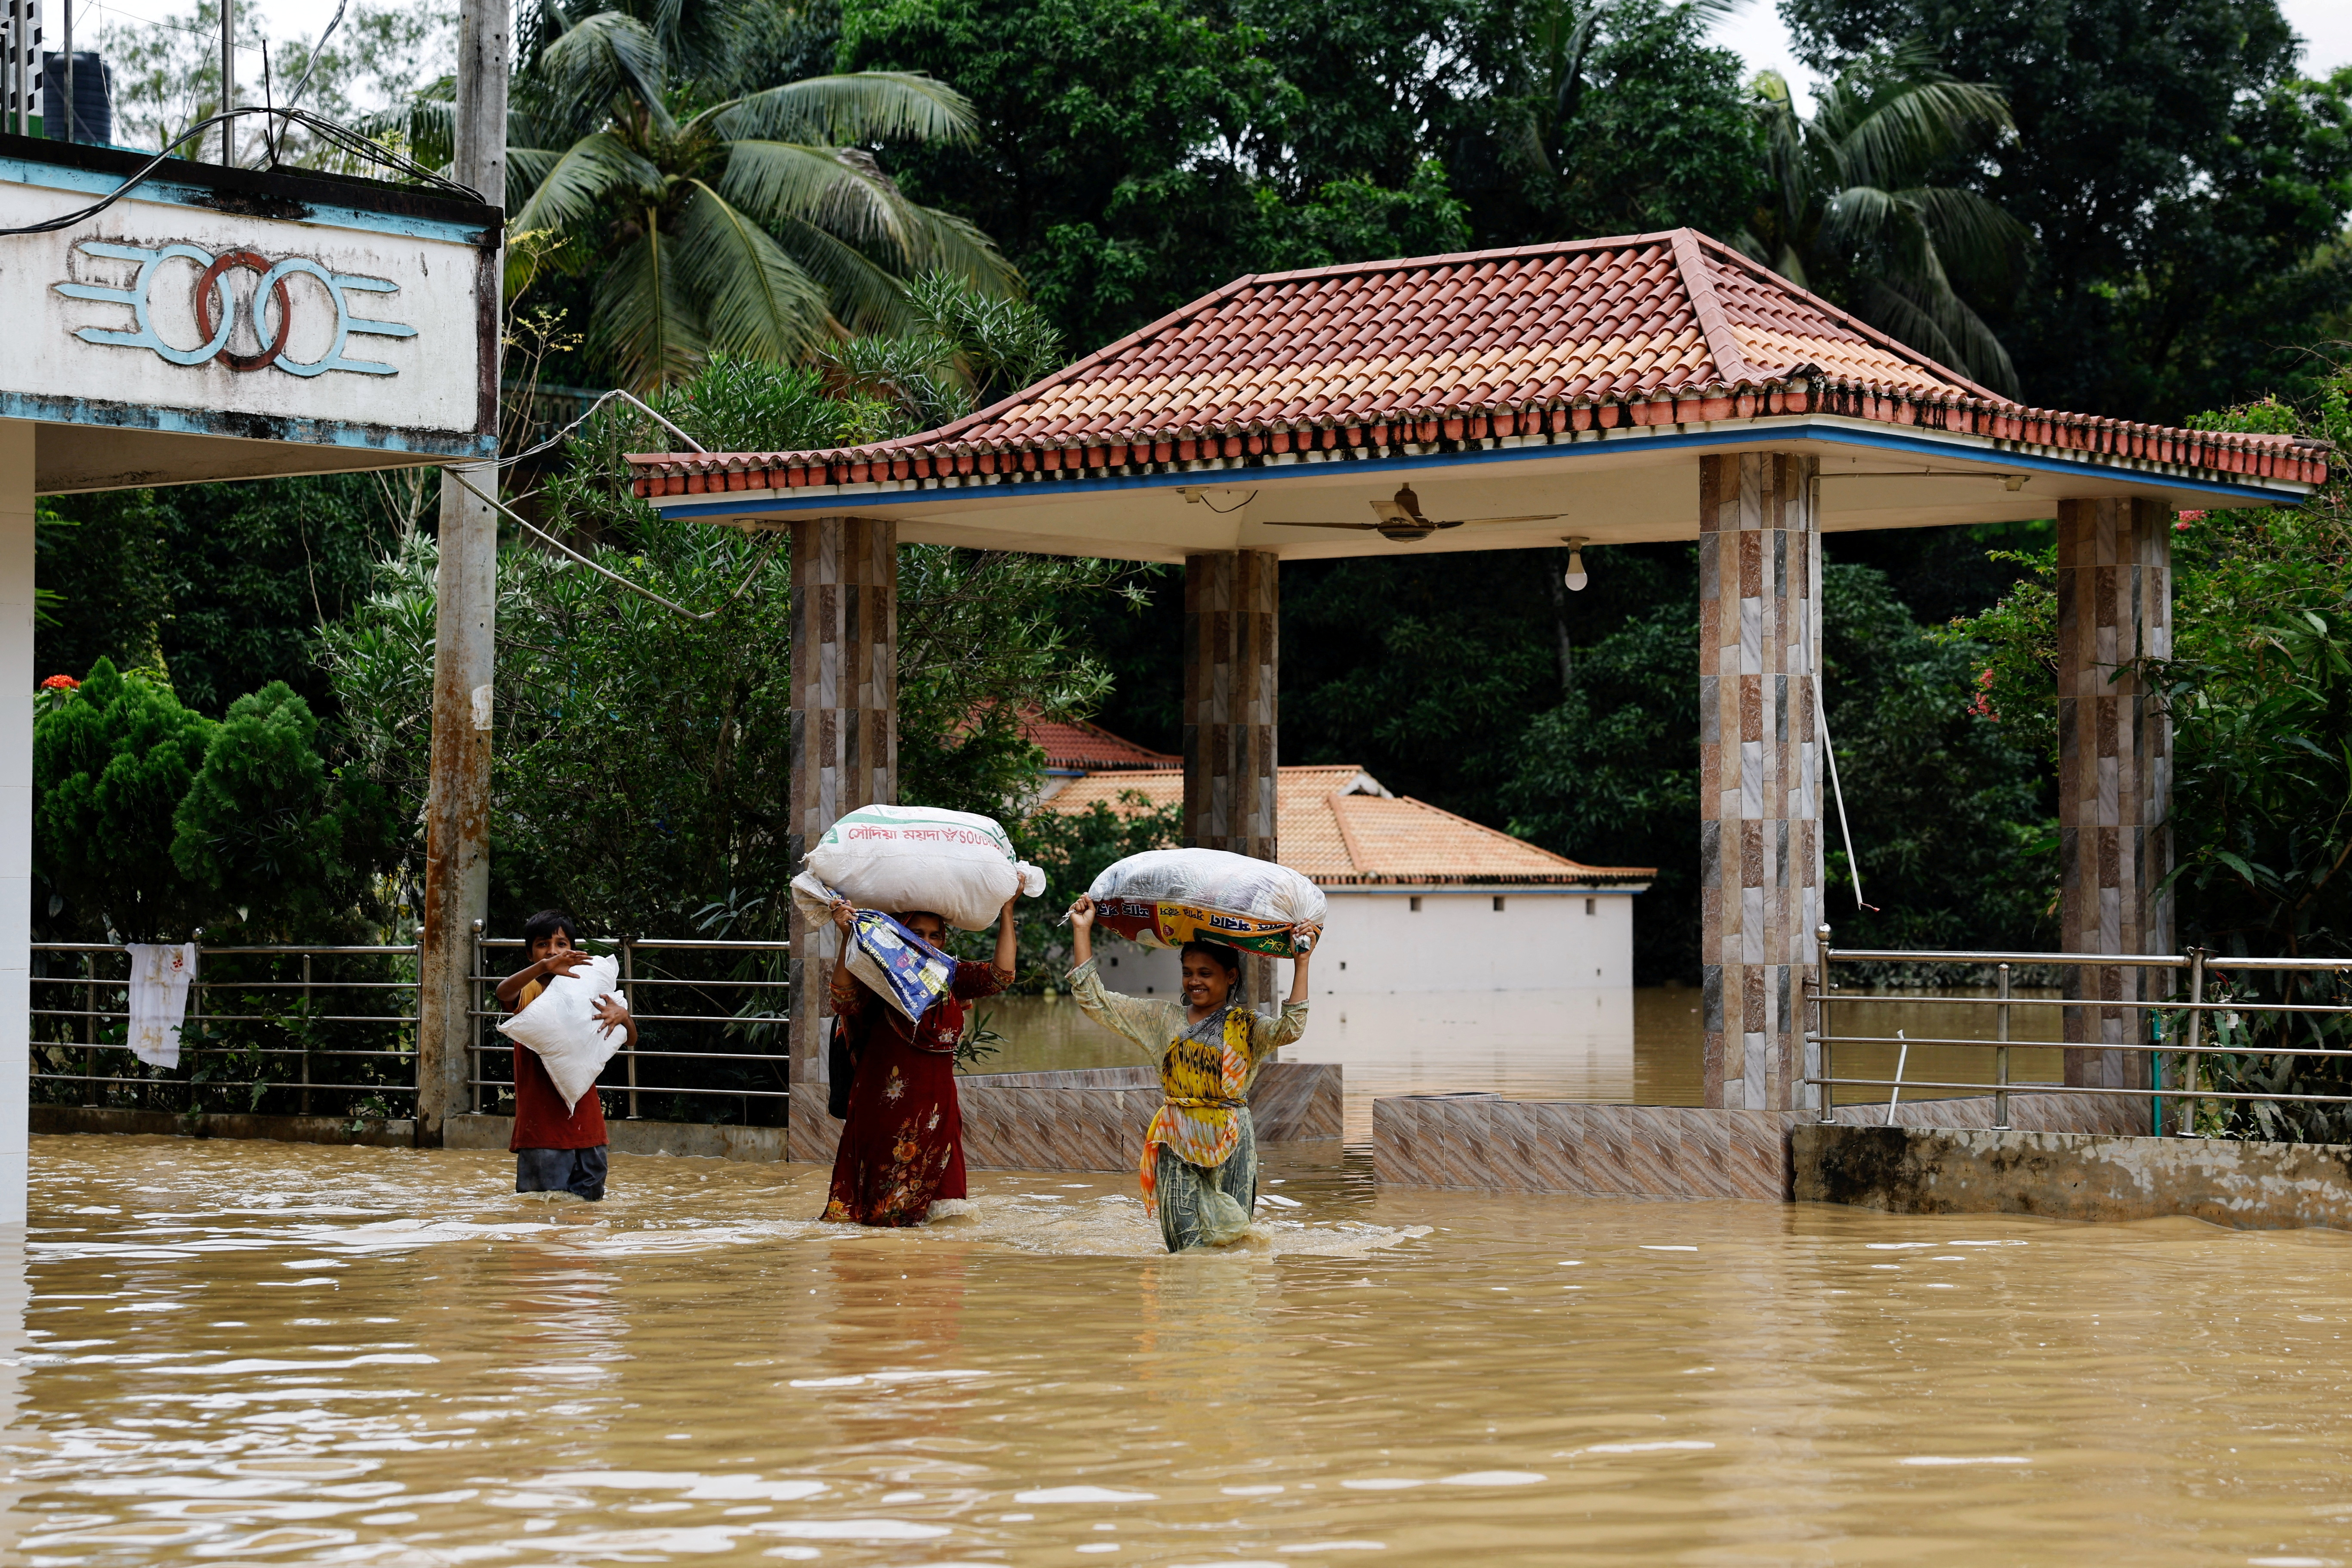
562	1026
1165	897
958	866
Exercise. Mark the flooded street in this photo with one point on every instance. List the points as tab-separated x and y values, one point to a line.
1625	1046
246	1354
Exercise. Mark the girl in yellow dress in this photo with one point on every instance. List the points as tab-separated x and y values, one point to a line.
1199	1168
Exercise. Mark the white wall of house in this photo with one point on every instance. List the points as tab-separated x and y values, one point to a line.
1380	942
16	676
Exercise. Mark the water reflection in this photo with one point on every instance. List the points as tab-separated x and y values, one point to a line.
1638	1045
248	1354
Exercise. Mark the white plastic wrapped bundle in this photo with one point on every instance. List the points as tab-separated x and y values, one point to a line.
958	865
1165	897
560	1025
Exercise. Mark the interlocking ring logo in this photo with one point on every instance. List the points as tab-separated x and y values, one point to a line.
216	309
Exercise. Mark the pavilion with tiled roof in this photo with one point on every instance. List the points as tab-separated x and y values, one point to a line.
1650	387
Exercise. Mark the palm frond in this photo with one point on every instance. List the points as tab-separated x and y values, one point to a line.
645	316
838	189
946	243
756	299
855	109
1975	236
424	128
1908	131
591	173
599	58
1925	311
865	297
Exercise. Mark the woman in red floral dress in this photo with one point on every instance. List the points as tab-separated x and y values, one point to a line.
902	1143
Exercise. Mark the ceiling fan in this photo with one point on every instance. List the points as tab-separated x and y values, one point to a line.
1401	519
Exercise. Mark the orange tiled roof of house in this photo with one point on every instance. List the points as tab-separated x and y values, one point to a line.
1075	743
1338	827
1544	343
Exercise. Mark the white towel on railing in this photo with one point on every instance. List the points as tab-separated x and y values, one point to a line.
160	973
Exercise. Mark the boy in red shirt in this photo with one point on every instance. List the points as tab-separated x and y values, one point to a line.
556	1151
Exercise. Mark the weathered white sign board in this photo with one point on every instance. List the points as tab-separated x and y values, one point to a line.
250	310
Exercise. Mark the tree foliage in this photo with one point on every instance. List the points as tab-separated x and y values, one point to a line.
1855	212
150	820
2185	190
642	756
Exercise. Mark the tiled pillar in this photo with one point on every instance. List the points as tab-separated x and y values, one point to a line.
1759	833
1233	614
2115	770
845	748
17	678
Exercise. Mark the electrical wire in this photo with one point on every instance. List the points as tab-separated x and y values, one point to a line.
639	589
1822	723
294	98
340	136
590	412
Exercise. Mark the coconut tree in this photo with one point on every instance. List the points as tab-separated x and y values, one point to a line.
1852	214
760	224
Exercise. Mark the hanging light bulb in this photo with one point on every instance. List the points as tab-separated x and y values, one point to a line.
1576	578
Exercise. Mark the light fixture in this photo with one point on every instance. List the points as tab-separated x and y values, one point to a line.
1576	578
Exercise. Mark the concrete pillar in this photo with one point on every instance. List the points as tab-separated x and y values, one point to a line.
2115	770
1233	614
1759	562
845	748
1232	681
465	653
17	678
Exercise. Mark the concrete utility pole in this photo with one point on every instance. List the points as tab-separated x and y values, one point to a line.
465	647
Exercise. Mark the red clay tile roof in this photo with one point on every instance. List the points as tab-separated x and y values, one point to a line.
1495	348
1337	826
1089	747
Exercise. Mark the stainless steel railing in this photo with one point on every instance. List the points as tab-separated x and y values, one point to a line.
332	1029
650	1070
251	1009
2189	1005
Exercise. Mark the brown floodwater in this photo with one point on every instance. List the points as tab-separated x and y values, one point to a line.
243	1355
1627	1045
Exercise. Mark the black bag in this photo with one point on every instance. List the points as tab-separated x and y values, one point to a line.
840	1071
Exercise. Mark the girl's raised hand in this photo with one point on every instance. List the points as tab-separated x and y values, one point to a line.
843	915
1081	913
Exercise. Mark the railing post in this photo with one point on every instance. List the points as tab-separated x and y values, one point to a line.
474	1070
2191	1082
196	1008
2000	1059
628	973
307	1028
1821	1018
90	1029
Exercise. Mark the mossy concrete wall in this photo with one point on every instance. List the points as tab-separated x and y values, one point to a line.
2074	1175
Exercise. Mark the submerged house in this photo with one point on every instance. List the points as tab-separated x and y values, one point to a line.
1420	900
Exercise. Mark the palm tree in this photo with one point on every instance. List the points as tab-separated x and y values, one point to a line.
1555	44
1850	214
758	225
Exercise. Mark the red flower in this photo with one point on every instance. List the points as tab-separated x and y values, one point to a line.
2185	519
60	683
1982	706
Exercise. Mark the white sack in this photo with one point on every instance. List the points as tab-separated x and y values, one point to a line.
958	865
160	974
560	1025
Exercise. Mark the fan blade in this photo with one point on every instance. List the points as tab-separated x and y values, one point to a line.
1360	527
1538	517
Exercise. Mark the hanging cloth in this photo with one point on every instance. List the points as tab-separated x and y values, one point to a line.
159	974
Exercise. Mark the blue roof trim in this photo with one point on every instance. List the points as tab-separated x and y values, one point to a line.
174	193
888	495
85	413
